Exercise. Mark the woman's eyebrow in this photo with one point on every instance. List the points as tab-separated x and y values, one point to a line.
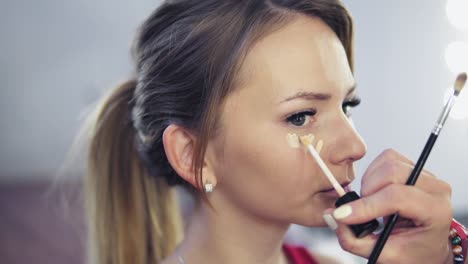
351	89
315	96
308	96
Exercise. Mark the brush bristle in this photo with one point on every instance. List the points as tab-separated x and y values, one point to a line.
460	83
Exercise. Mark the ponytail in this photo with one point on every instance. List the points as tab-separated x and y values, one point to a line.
133	216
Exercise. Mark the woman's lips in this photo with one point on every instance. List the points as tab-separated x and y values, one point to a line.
331	192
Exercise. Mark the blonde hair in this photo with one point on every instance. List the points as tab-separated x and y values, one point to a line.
188	54
128	208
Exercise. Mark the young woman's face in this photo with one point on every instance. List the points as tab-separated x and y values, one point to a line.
296	80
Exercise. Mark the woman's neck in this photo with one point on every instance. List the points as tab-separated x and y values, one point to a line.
228	235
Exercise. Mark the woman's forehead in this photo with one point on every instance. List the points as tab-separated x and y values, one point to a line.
304	55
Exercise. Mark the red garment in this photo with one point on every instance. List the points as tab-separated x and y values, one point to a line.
299	255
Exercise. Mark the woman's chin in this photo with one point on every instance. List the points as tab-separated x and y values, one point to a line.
315	221
313	217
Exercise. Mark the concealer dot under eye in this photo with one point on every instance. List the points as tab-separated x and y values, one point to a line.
294	142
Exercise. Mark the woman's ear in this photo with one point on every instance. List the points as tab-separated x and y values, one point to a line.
179	146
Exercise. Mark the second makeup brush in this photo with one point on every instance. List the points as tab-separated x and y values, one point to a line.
459	84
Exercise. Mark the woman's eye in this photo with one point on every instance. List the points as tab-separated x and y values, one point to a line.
300	119
346	106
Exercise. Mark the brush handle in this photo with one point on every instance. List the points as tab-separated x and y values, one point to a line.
422	159
394	218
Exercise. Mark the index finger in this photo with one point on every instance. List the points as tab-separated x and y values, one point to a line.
408	201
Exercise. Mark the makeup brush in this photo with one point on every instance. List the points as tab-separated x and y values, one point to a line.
459	84
359	230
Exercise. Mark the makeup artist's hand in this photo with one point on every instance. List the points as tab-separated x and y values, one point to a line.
421	235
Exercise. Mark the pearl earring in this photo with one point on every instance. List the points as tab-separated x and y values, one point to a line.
209	187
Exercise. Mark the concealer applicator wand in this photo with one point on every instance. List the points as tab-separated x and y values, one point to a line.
359	230
459	84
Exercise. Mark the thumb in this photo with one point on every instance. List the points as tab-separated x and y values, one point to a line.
346	238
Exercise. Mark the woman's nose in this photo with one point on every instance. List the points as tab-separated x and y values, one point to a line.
348	146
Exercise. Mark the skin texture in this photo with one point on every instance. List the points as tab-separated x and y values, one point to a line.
262	185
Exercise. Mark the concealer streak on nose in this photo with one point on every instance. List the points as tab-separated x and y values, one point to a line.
319	146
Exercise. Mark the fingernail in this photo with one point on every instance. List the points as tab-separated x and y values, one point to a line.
342	212
330	221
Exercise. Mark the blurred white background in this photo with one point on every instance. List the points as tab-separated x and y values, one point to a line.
58	57
402	50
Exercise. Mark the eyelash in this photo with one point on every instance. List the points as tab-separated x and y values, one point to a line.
346	107
308	113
